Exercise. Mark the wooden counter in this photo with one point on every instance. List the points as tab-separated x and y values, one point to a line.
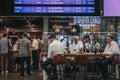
84	54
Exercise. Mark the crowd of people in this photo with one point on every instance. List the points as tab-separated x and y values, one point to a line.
23	49
28	50
56	47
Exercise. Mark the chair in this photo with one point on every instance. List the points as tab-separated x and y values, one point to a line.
116	61
82	61
58	62
59	59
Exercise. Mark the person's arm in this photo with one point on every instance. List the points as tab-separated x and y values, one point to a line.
10	44
81	44
49	51
33	44
106	49
112	50
97	46
30	48
18	47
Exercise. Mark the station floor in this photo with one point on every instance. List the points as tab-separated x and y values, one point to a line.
36	75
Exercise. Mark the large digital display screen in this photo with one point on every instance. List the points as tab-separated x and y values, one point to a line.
56	7
111	8
50	7
54	2
24	9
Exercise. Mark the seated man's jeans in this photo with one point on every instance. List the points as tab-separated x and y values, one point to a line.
103	65
45	65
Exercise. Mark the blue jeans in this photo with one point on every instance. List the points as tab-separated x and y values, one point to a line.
45	64
22	61
35	59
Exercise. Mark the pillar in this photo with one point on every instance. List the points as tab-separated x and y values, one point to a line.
45	39
45	34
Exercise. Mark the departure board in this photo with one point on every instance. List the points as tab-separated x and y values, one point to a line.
56	7
56	2
24	9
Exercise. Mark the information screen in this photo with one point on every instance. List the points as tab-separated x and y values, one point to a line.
111	8
56	7
24	9
54	2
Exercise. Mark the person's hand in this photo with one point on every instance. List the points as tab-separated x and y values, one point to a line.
103	54
41	61
49	66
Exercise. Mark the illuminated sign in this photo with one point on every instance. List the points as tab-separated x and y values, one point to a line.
54	2
56	7
24	9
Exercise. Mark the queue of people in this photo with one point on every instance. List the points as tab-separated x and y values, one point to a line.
28	50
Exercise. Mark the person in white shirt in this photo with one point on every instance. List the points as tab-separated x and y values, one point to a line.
64	44
71	47
35	53
111	48
86	44
97	45
76	46
15	54
55	48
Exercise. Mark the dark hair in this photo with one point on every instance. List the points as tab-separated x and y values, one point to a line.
62	40
21	35
96	40
4	34
52	36
25	35
111	37
33	36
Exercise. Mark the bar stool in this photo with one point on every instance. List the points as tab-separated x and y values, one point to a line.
116	61
82	61
58	62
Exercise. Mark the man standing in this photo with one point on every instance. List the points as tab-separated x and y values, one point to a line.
55	47
35	53
24	45
4	46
